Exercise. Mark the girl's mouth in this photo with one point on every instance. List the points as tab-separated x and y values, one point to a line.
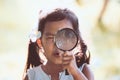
57	54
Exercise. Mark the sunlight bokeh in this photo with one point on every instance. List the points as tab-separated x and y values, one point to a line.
17	17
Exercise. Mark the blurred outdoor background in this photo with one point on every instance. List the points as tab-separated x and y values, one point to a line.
99	25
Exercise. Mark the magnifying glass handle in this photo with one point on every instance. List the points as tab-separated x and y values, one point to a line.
66	72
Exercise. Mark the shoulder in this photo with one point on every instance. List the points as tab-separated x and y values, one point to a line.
87	72
31	73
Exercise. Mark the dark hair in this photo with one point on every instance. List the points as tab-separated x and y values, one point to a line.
57	15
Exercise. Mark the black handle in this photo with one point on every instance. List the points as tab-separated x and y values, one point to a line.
66	72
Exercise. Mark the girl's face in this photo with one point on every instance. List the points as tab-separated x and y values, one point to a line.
52	53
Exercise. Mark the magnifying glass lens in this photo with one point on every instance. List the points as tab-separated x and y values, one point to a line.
66	39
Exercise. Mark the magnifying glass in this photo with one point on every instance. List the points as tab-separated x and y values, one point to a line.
66	40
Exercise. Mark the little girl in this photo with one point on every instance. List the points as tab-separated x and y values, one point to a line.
57	60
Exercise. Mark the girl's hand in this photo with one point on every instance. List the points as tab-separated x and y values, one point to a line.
69	62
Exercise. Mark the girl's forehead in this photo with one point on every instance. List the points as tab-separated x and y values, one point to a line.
54	26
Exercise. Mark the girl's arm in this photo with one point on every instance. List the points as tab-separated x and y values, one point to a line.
26	78
70	64
87	72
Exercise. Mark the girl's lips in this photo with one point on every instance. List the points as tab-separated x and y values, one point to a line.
57	54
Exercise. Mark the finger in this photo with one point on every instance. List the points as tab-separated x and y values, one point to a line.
65	57
69	59
68	53
66	62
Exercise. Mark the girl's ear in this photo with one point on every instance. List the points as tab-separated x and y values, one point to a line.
39	43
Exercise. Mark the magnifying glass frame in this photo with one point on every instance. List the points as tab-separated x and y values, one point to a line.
67	29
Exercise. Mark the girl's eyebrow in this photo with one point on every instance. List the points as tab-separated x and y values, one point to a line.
49	34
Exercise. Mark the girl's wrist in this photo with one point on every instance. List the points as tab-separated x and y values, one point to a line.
73	70
78	75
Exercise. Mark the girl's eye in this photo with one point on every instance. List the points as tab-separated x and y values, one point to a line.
50	40
50	37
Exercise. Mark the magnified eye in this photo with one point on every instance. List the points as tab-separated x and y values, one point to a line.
66	39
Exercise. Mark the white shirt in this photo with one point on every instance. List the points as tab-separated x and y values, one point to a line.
37	73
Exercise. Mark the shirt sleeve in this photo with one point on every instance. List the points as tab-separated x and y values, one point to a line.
81	67
31	74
